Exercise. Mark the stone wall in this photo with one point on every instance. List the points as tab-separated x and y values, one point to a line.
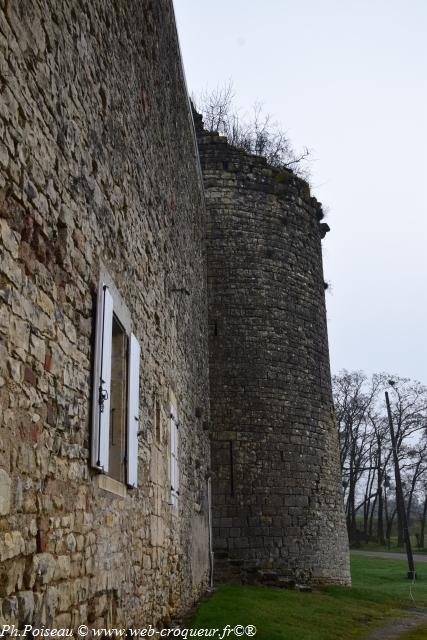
277	505
98	165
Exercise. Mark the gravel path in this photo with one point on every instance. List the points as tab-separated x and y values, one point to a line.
395	628
418	557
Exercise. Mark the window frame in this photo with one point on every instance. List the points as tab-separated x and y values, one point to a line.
133	357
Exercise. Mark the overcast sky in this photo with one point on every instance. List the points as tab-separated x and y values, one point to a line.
348	79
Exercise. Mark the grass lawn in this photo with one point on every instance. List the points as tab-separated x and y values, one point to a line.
379	590
394	548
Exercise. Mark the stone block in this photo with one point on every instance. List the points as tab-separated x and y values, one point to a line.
25	607
51	602
5	488
11	544
41	570
10	610
62	568
64	596
11	576
9	238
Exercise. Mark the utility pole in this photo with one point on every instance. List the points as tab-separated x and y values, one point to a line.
399	495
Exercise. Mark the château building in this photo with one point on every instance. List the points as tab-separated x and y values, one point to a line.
166	414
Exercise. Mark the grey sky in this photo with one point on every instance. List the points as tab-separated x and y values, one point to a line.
347	78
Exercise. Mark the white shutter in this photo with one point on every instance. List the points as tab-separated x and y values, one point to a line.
133	412
174	455
172	449
102	382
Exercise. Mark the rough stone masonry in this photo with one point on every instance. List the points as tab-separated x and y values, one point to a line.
277	504
98	166
100	186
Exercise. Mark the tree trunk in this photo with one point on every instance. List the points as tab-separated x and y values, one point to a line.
351	512
386	511
423	523
412	489
351	508
380	509
390	524
399	508
371	517
380	515
367	505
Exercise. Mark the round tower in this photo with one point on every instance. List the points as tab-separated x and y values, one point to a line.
277	504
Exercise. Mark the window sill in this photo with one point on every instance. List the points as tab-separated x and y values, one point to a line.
112	486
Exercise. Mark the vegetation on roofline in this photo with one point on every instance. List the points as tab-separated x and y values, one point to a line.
256	133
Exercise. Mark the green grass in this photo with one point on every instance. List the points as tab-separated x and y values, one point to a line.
380	589
394	548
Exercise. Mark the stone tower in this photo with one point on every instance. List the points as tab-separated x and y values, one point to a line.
277	507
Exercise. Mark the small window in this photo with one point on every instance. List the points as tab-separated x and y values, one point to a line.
115	413
174	463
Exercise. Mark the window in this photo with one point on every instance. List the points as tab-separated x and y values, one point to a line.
174	467
115	413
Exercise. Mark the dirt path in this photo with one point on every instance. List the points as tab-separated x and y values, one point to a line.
395	628
418	557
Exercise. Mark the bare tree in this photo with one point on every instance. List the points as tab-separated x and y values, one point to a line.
424	511
354	396
409	409
381	459
414	469
366	451
256	133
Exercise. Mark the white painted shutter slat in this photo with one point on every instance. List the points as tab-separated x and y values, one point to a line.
103	384
174	454
172	437
133	412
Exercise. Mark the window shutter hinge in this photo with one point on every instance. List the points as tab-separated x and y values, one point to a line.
103	396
